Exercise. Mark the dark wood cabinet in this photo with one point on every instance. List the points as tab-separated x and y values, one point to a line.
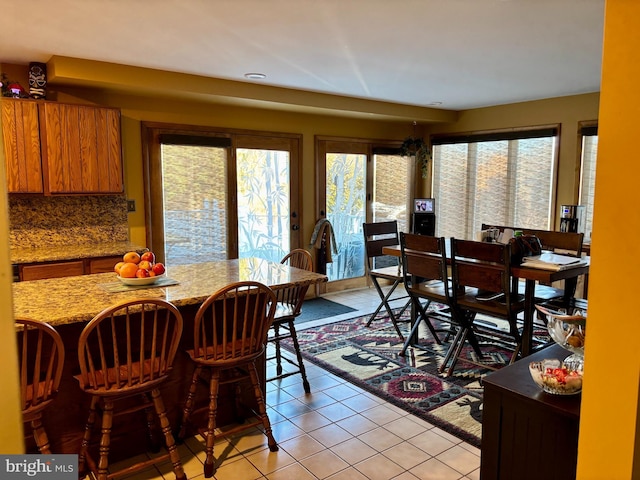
86	266
528	434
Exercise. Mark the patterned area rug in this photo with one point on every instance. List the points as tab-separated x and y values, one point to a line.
369	358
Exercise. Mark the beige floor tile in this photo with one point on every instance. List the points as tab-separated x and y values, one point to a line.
331	435
460	459
341	392
379	467
382	414
336	412
267	461
380	439
292	408
405	427
310	421
292	472
357	424
285	430
348	474
317	400
434	469
405	476
475	475
353	451
431	442
324	464
361	402
406	455
240	468
302	447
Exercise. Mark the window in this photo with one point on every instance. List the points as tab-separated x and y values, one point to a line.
589	134
501	178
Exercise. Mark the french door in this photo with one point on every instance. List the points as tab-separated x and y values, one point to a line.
359	181
215	195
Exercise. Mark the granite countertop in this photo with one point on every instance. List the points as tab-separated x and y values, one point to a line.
71	252
66	300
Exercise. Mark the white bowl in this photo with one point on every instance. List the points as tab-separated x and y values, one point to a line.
140	281
543	376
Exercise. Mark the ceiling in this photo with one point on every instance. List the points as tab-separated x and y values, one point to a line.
446	54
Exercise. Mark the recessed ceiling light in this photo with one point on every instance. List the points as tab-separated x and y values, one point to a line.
255	76
433	104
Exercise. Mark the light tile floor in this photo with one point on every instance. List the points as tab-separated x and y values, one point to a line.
337	432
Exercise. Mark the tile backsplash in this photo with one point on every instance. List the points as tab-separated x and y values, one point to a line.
37	221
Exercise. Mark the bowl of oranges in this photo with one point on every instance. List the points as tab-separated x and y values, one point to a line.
139	269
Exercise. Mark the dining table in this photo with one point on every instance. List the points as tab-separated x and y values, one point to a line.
531	276
69	303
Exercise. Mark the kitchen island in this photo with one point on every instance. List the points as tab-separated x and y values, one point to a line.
69	303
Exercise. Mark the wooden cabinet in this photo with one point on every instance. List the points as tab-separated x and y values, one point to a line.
55	148
39	271
21	132
528	434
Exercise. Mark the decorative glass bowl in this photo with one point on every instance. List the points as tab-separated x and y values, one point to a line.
568	331
556	377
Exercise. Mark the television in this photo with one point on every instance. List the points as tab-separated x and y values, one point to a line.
424	205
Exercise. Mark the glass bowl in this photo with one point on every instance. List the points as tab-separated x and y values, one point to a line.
556	377
568	331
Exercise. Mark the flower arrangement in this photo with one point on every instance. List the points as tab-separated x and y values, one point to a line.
417	148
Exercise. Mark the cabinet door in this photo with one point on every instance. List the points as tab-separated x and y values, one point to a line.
82	149
22	146
102	265
51	270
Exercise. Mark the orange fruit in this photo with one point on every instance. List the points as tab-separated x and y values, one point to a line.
131	257
116	268
128	270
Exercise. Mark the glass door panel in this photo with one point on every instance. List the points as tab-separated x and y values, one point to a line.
263	190
346	210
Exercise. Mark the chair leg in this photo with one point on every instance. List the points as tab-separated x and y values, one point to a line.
168	436
188	404
296	346
154	443
262	409
40	436
105	439
209	463
384	303
84	446
276	341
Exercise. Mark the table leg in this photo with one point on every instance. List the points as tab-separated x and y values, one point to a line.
529	314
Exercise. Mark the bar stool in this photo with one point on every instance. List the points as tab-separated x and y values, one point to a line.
230	334
127	351
41	357
288	307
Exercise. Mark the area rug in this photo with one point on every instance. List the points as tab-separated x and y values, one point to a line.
369	358
317	308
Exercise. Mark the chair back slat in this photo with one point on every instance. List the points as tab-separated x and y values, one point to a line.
423	259
294	296
378	235
232	324
569	242
41	353
129	345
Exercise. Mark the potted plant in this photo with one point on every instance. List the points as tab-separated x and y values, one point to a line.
419	150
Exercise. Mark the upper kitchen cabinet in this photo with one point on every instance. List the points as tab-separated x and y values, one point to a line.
80	150
20	128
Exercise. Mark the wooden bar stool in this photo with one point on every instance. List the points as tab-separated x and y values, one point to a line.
230	334
127	352
41	357
288	307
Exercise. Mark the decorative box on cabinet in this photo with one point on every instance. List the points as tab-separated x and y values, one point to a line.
56	148
528	434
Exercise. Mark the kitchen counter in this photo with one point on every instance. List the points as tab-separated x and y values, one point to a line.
54	253
66	300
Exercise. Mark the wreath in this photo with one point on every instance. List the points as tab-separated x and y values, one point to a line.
417	148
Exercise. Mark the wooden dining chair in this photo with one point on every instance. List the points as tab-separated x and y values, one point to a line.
481	274
125	353
289	306
424	265
385	268
230	335
41	357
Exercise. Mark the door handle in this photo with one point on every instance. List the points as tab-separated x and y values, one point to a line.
295	227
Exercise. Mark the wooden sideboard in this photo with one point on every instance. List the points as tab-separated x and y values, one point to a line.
526	433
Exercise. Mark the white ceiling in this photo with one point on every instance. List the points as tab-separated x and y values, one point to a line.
463	53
